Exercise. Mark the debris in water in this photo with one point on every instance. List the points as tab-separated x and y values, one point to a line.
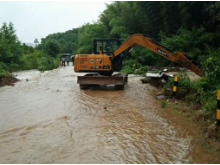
156	79
146	80
65	117
160	96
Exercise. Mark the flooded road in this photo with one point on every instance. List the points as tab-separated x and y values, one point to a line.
48	119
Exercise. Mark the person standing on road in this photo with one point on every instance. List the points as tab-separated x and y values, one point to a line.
72	57
63	61
67	60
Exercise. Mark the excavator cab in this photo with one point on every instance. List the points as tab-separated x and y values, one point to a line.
106	46
101	60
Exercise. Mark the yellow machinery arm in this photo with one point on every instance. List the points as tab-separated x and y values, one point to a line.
147	42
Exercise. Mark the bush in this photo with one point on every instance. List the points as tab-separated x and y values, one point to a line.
200	47
38	60
29	61
4	70
47	63
142	71
210	105
184	80
163	104
127	70
132	66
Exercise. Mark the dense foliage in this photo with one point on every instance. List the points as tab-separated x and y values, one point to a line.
16	56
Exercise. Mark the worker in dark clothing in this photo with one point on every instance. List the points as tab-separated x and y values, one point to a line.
72	57
63	61
67	60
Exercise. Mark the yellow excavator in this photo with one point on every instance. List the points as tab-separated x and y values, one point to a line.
109	54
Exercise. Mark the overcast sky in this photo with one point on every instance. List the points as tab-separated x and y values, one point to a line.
37	19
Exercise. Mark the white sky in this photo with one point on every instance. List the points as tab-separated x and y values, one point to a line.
37	19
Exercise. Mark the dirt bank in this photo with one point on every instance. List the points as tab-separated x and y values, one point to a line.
7	81
206	122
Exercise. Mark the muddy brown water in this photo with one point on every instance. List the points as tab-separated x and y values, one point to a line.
48	119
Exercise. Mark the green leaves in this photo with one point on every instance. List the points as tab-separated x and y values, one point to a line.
60	43
14	56
86	34
214	15
38	60
4	70
52	48
10	48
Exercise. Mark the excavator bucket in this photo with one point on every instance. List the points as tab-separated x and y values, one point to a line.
96	79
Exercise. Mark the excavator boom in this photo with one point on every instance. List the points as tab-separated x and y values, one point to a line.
147	42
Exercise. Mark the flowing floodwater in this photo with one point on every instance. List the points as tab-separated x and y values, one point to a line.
48	119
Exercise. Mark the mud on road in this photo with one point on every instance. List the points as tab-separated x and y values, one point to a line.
48	119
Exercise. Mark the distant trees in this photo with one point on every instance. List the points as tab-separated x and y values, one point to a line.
60	42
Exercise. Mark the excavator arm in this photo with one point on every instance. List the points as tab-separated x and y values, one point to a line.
149	43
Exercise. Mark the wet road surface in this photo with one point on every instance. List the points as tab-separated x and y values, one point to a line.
48	119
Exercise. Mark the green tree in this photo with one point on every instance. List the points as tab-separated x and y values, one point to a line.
213	20
149	18
36	41
10	48
117	19
52	48
86	34
170	15
67	41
